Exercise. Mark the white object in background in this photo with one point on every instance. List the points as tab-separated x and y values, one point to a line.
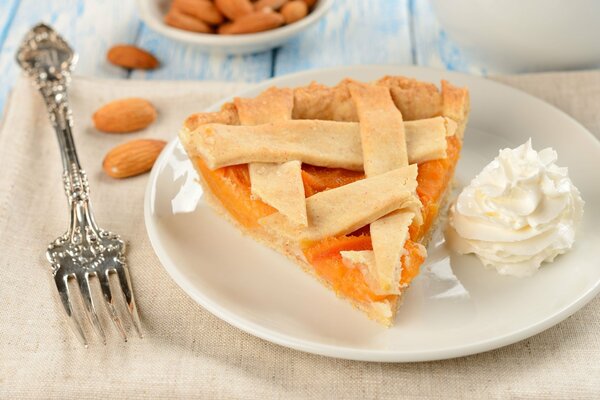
152	13
524	35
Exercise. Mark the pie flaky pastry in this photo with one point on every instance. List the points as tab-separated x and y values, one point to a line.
346	180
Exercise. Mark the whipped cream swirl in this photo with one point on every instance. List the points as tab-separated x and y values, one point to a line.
521	210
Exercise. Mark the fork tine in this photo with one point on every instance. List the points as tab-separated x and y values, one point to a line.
86	293
105	286
125	282
65	297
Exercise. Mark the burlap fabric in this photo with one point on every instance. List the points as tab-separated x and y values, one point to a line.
187	352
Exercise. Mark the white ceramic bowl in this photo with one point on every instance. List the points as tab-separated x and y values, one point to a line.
524	35
153	11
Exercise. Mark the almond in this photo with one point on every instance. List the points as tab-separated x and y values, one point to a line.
177	19
127	56
272	4
294	11
204	10
256	21
310	3
234	9
132	158
124	115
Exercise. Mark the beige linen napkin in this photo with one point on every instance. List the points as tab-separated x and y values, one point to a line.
187	352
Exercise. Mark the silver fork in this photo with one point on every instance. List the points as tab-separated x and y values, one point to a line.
85	250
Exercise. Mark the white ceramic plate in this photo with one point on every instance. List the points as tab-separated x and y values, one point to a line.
152	13
454	308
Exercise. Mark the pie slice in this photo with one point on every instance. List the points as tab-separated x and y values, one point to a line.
347	181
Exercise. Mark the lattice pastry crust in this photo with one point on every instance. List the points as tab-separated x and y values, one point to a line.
383	128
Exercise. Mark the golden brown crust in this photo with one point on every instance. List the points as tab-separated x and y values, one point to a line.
456	105
381	129
228	115
273	104
224	145
414	99
317	142
317	101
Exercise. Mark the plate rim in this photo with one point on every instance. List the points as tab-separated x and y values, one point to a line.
342	352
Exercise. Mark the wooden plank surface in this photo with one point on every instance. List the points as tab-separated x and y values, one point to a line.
90	26
183	61
432	47
352	32
8	9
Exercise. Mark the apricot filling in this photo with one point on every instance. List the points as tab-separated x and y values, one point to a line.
231	185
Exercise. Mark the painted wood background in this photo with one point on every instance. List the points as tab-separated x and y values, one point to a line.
353	32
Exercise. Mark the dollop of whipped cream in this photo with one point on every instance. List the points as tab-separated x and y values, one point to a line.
521	210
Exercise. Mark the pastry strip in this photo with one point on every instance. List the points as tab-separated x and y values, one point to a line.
278	185
321	143
384	149
281	187
392	231
347	208
381	129
272	105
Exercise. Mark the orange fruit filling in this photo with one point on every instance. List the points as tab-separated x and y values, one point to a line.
326	259
231	185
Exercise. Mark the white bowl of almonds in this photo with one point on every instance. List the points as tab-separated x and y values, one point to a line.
232	26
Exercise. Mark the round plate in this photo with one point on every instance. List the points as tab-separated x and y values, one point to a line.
454	308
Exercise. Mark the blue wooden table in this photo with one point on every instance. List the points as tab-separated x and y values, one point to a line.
353	32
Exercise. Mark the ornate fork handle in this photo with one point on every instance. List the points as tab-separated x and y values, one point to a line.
74	177
54	92
83	232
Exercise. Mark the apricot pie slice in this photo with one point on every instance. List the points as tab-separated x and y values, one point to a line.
347	181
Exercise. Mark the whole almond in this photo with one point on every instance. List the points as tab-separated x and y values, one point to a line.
127	56
177	19
234	9
294	11
124	115
132	158
272	4
204	10
256	21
